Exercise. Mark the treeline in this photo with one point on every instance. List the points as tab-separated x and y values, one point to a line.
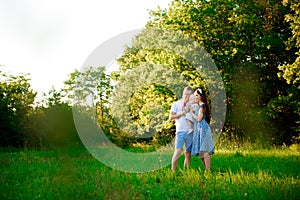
254	44
24	123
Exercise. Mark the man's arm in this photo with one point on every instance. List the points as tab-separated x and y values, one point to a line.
174	116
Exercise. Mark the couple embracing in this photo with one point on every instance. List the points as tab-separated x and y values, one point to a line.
192	118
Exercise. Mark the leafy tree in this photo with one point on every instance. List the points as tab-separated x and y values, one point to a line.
53	97
291	72
52	122
89	91
142	99
245	40
55	126
16	105
90	87
284	110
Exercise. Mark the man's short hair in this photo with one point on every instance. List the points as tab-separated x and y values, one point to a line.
189	88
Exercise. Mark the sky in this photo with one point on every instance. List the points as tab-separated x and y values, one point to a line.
50	39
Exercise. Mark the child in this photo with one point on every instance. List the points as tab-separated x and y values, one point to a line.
191	105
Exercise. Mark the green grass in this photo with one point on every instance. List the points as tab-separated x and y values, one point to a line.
75	174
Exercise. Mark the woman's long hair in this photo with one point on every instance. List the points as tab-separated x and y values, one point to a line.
206	107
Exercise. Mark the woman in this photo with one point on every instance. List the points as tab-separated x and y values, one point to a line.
202	145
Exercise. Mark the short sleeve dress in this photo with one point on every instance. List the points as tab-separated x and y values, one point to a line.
202	138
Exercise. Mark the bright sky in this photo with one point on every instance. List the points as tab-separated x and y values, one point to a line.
49	39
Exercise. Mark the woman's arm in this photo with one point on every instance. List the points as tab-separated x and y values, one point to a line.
198	117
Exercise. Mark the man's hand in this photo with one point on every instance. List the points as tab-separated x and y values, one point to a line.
174	116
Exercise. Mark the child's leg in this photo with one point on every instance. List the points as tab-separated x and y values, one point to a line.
191	126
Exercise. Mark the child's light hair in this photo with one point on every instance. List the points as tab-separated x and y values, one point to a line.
192	98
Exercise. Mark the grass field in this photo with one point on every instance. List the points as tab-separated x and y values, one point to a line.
75	174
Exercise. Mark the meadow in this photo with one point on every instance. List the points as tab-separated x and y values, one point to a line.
73	173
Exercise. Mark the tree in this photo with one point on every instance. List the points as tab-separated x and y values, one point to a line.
90	87
246	42
291	72
89	91
53	121
142	99
284	110
16	105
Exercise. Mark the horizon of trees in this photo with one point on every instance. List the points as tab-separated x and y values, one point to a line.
254	44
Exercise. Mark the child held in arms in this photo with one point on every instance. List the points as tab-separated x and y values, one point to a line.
191	105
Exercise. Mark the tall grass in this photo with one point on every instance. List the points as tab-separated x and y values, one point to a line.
75	174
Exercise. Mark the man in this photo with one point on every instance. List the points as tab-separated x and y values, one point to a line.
177	113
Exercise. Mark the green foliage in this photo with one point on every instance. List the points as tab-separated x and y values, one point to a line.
246	40
142	99
52	124
89	87
285	109
16	105
90	92
291	72
281	109
254	44
55	126
52	98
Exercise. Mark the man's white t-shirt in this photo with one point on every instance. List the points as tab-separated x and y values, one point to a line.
181	123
